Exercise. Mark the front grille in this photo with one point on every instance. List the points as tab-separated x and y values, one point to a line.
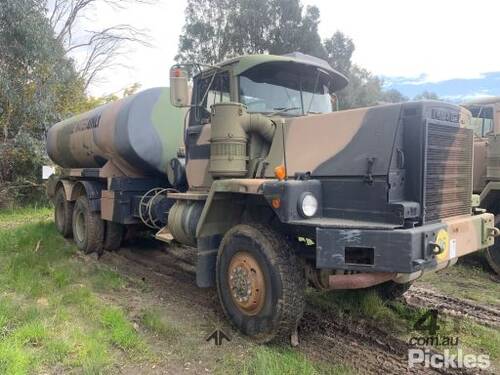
447	172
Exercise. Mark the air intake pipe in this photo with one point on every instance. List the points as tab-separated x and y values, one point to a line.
231	126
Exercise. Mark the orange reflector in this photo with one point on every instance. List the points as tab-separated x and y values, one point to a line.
177	72
280	172
276	203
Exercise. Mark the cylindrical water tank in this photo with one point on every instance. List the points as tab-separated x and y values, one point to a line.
140	134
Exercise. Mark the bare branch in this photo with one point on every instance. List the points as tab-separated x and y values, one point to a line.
103	47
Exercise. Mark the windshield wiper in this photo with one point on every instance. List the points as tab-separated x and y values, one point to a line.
282	110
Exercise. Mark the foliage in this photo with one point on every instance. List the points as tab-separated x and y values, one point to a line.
393	96
339	49
38	86
427	95
219	29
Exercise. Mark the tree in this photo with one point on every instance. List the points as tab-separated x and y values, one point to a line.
363	90
393	96
339	49
38	86
102	48
219	29
427	95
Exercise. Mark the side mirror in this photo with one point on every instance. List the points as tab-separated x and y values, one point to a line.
179	90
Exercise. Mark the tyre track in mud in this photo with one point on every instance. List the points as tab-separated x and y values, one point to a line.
363	346
367	349
420	297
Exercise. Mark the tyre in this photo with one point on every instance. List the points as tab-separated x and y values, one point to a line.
63	214
391	290
492	253
113	235
88	227
260	283
493	256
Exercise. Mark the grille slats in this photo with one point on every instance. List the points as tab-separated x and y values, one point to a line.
448	172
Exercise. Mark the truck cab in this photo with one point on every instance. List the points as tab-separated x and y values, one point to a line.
281	86
485	123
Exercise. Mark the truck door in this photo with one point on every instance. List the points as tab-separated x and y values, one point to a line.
209	89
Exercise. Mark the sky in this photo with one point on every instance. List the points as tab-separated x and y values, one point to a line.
440	45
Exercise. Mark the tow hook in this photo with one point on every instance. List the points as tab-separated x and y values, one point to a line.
493	232
436	248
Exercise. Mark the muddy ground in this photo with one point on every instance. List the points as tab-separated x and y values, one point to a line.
166	277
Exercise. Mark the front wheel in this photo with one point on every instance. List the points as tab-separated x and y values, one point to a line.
260	283
88	227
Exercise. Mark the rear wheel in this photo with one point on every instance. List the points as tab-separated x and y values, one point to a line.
63	213
113	236
88	227
259	283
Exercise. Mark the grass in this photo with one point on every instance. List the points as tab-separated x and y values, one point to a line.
470	280
154	321
400	319
357	304
271	360
15	217
51	312
55	313
121	331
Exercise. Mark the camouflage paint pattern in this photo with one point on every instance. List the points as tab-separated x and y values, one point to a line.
486	160
368	160
138	135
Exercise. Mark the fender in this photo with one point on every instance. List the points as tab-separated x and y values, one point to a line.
92	190
223	209
73	189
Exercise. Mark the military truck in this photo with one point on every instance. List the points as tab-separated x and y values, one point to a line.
273	188
486	125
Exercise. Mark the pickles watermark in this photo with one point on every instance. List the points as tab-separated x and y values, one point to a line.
452	357
447	359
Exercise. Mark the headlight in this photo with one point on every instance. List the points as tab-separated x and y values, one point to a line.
308	205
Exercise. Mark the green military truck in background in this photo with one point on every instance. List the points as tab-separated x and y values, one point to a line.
486	125
251	166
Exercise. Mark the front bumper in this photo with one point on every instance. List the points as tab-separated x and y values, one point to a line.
424	248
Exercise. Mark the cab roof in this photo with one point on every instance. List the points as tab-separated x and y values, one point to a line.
483	101
244	63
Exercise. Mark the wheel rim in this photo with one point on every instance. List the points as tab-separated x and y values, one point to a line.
80	226
60	214
246	283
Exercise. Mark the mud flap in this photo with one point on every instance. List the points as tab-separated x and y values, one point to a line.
208	247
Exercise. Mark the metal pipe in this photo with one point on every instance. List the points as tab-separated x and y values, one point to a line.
359	280
260	124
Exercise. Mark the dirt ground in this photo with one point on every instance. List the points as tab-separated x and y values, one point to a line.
162	277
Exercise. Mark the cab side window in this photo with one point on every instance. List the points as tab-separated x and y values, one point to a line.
210	90
482	120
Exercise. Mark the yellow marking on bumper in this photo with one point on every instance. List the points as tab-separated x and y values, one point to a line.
468	234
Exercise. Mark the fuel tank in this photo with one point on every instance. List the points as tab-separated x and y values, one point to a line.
140	134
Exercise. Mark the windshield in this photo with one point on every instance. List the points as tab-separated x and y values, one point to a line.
269	89
482	120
